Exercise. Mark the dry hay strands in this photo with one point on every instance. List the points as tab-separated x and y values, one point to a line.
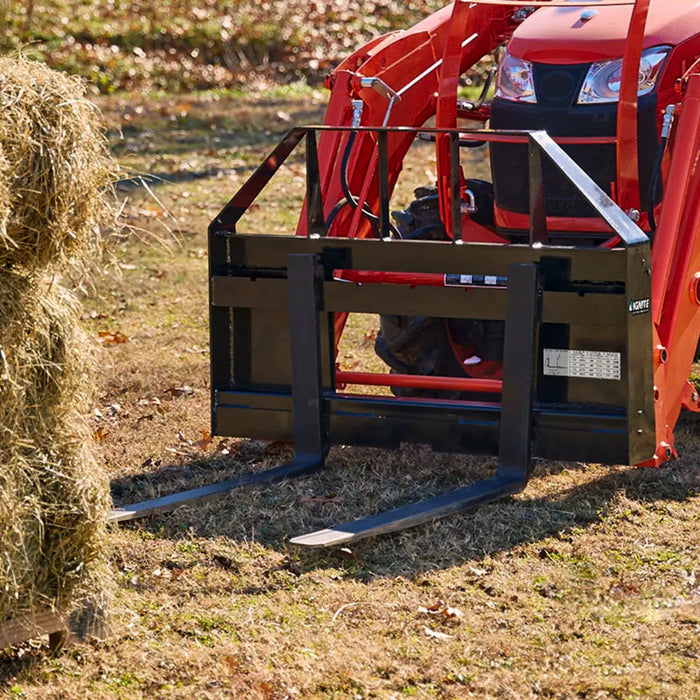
58	172
52	496
4	194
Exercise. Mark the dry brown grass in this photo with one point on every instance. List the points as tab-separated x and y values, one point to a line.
585	586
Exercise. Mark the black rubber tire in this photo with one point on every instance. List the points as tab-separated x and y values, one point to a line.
421	345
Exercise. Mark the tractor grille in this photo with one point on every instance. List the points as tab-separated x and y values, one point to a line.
556	111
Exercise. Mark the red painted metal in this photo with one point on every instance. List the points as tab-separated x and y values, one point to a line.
414	279
412	381
422	65
521	222
675	264
627	134
410	63
557	36
474	30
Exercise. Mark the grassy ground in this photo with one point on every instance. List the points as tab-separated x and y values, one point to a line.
180	45
587	585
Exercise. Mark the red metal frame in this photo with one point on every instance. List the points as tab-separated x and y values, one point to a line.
423	65
627	141
413	381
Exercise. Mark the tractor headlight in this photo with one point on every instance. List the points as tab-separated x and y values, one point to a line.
514	80
602	83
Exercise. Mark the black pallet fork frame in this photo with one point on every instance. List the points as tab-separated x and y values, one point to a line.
272	360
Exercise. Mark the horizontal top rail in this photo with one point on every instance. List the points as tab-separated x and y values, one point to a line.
538	141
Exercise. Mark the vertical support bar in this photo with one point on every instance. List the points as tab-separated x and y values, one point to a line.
220	326
304	278
628	111
383	153
455	187
315	222
519	371
644	442
538	213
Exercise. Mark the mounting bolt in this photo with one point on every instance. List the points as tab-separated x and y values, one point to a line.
695	289
634	215
663	448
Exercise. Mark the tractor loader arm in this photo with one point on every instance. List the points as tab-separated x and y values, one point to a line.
401	79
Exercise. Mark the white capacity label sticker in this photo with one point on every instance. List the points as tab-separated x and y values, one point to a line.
587	364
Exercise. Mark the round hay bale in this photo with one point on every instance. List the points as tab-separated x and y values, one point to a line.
58	171
53	498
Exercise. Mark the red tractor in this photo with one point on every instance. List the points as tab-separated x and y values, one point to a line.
553	312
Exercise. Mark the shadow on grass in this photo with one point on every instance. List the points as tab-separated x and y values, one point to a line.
207	136
359	482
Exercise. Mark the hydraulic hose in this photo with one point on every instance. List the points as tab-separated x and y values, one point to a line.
656	186
350	199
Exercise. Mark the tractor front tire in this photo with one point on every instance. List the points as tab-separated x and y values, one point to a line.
421	345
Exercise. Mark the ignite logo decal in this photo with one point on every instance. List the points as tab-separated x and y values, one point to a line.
640	306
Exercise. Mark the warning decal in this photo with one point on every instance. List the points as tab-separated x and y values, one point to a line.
586	364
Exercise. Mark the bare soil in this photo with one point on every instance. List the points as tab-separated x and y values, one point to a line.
585	586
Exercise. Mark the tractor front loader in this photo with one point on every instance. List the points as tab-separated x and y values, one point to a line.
553	313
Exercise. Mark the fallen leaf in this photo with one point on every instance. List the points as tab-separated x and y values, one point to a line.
452	614
155	401
177	391
226	446
205	441
100	435
112	337
233	664
445	611
436	635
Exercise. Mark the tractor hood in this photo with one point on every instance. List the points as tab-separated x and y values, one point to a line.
562	35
